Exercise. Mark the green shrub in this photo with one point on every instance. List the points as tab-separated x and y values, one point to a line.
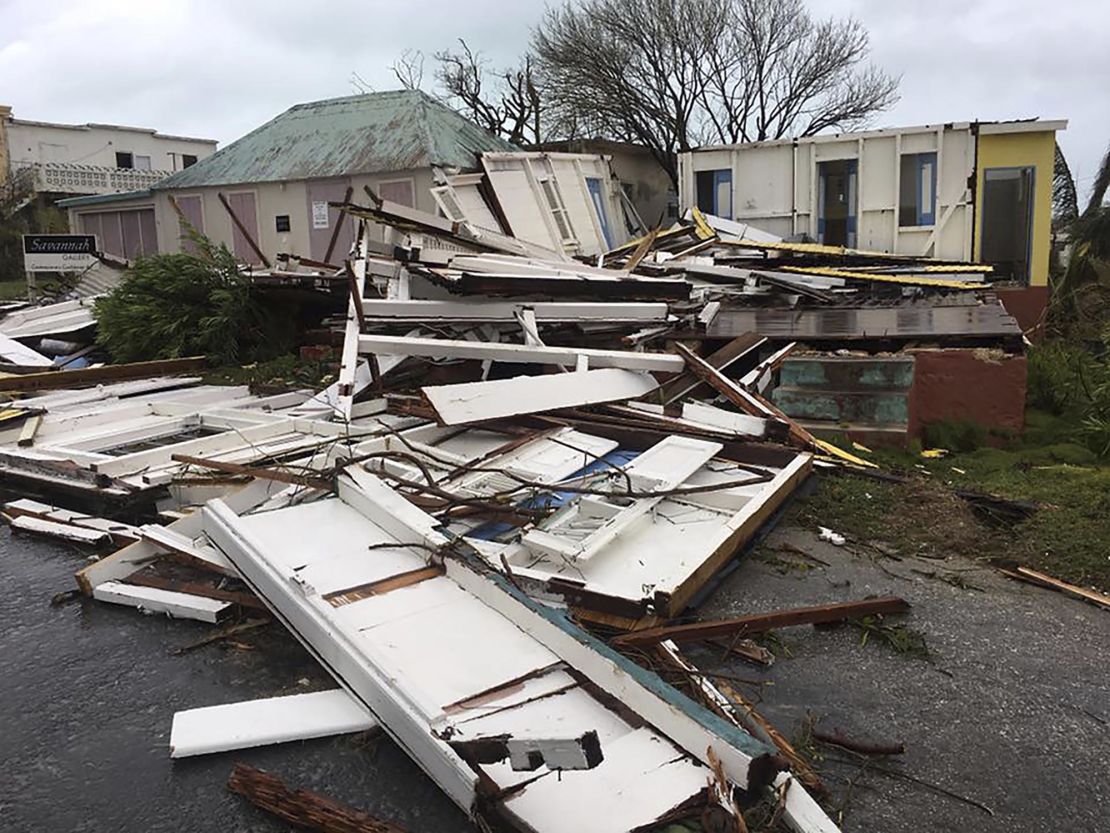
1054	376
173	305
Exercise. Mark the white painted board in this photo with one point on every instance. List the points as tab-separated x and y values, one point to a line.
153	599
478	401
268	721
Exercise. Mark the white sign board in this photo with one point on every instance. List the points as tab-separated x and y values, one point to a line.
319	215
58	252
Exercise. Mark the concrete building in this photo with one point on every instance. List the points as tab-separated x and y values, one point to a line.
39	157
277	180
965	191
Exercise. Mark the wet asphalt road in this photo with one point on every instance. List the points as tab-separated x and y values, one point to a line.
1012	712
87	694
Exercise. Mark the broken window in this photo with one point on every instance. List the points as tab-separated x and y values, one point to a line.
558	210
124	160
715	192
187	160
448	204
281	222
917	190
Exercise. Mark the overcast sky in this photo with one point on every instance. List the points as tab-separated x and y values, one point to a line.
218	68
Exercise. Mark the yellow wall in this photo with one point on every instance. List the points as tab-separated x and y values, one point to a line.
1014	150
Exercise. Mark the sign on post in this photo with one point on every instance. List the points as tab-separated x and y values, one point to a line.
58	252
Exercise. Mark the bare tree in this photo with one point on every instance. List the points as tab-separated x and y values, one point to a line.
506	102
669	74
409	69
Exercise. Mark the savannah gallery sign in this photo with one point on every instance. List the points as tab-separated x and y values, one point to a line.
58	252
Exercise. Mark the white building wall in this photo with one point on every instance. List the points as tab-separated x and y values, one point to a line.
40	142
775	186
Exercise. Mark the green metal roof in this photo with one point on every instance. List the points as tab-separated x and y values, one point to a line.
358	134
97	199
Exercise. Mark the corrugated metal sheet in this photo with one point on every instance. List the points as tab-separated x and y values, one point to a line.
840	324
359	134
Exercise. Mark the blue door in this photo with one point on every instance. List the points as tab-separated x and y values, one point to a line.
594	185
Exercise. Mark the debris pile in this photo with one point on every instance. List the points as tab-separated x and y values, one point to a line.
523	451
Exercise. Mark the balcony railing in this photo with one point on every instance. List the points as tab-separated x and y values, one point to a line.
70	178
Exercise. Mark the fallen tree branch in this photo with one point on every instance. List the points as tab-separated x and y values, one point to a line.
303	808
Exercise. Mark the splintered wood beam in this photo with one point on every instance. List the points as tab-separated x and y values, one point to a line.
762	622
243	230
303	808
253	471
338	225
95	375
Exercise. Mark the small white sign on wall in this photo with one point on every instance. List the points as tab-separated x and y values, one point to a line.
319	215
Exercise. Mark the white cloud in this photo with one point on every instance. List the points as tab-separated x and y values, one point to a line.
219	69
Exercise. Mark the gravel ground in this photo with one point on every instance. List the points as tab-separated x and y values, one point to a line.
1011	711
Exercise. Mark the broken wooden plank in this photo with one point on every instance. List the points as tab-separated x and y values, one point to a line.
196	588
96	375
1043	580
64	531
267	721
479	401
687	384
303	808
176	605
562	356
762	622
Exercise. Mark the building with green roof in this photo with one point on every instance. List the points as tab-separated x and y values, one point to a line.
278	179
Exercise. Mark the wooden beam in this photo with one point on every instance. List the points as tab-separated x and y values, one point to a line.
762	622
96	375
339	220
1047	581
243	229
686	384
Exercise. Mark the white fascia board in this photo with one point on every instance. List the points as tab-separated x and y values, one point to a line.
488	310
267	721
305	618
562	356
478	401
720	419
1036	126
172	603
369	495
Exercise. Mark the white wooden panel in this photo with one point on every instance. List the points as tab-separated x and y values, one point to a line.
156	600
522	206
478	401
268	721
761	182
876	172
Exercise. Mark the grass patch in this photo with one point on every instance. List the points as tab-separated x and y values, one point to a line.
284	372
14	290
1066	537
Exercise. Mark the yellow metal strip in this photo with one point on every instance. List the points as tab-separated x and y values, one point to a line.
701	227
828	272
840	453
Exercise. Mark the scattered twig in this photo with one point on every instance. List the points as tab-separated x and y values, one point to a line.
836	738
223	633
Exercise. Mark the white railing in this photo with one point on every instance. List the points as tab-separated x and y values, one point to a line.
69	178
